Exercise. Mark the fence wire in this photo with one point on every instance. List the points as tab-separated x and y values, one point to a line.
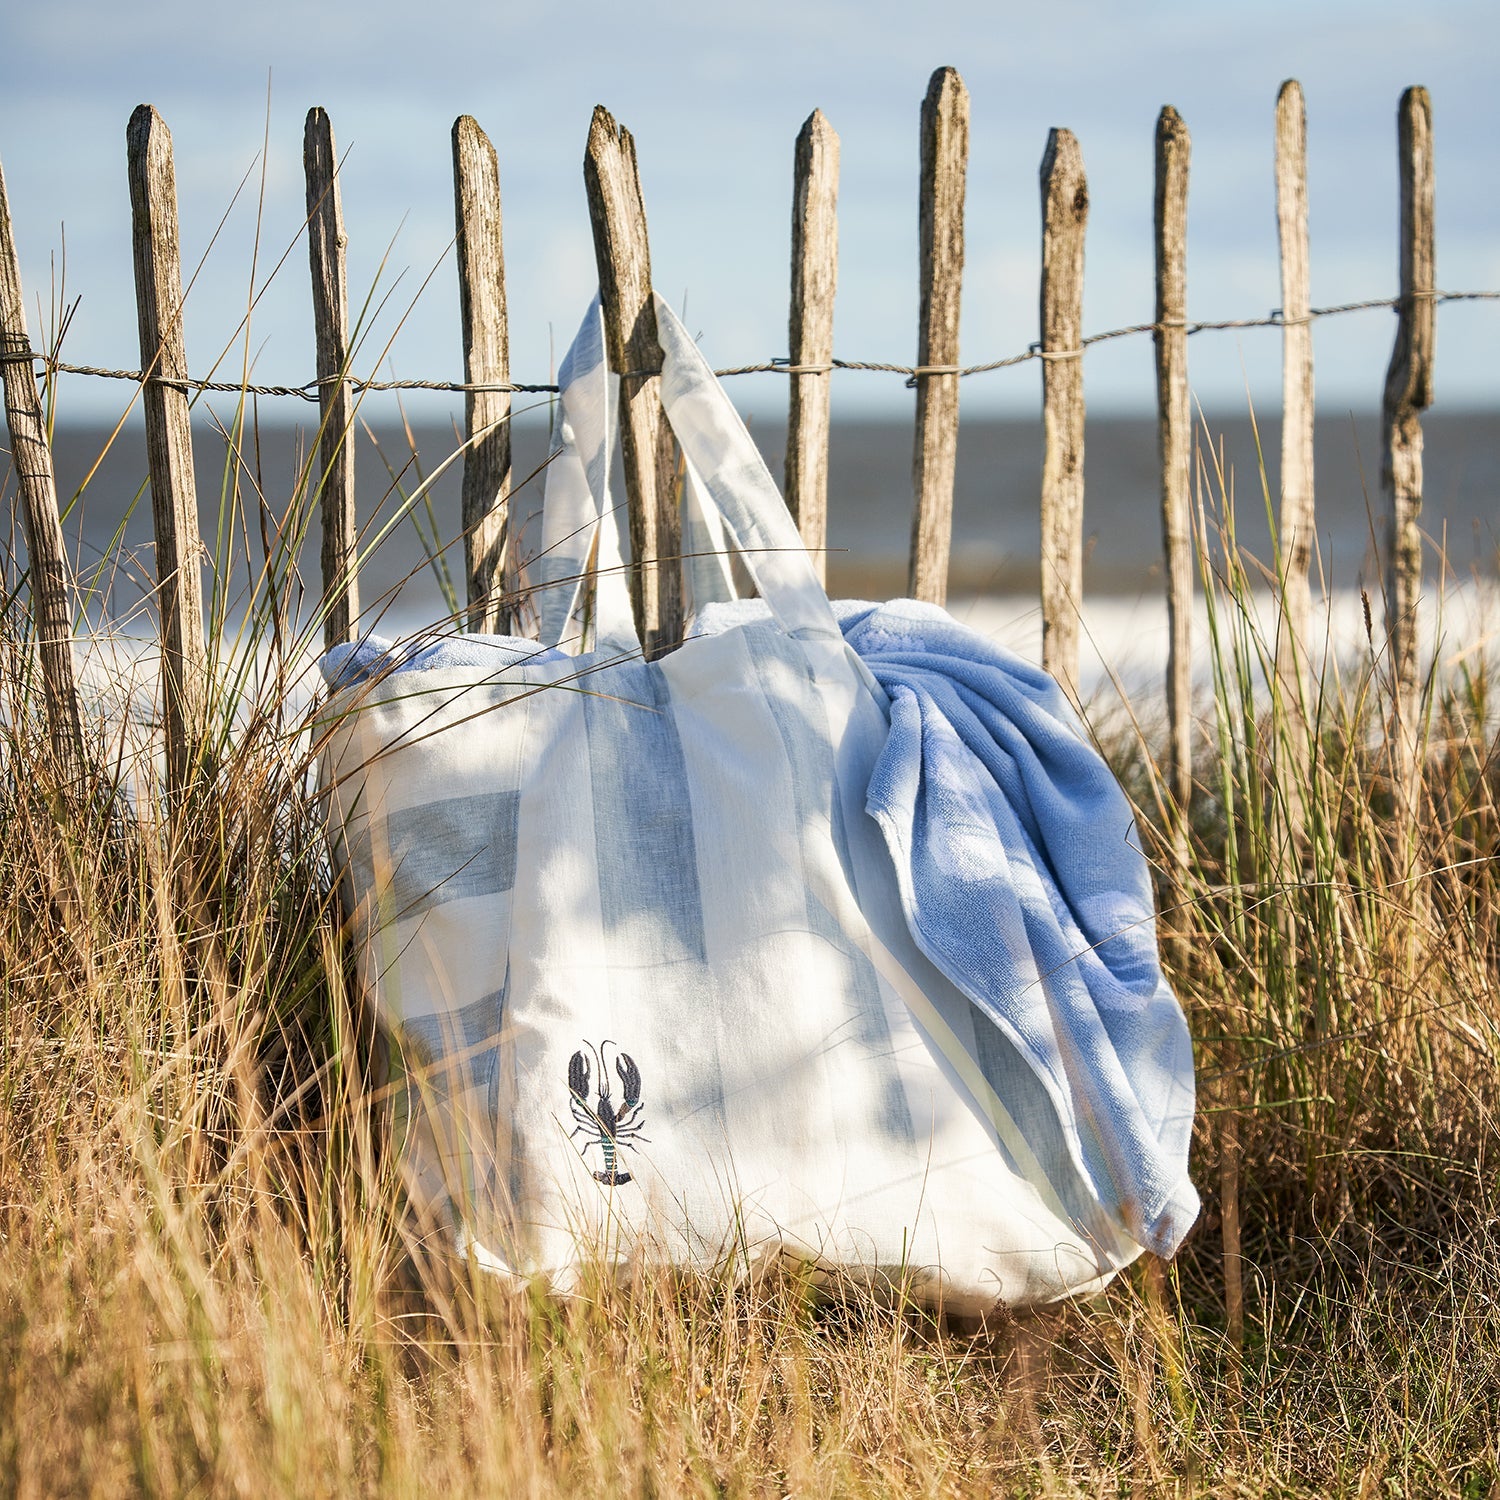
311	390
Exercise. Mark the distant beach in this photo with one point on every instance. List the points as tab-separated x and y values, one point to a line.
994	574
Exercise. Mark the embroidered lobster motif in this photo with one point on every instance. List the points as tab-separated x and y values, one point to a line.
600	1123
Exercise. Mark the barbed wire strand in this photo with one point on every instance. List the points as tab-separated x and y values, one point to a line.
310	390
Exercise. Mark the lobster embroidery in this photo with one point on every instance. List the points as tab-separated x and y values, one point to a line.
601	1123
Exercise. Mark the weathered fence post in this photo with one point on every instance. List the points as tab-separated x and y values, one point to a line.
945	157
1296	520
326	244
1065	214
169	446
47	561
1408	392
486	336
1174	416
815	265
1295	528
612	177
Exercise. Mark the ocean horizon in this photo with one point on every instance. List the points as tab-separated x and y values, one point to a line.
996	530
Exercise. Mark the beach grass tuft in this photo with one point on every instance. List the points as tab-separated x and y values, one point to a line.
204	1284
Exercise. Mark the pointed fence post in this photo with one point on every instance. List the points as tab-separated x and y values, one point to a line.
1296	520
326	249
486	336
618	214
1174	432
945	158
815	264
169	446
1295	527
1065	215
1408	392
46	558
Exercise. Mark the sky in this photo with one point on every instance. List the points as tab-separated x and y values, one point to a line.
715	95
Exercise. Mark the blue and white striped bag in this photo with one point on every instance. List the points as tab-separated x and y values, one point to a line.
642	952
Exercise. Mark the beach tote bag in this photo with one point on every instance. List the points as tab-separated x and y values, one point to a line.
650	969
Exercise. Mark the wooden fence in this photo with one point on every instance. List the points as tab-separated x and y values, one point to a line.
624	263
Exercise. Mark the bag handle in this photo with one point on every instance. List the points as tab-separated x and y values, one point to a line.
705	547
726	478
578	477
737	485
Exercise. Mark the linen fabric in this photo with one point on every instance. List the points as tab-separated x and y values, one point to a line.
824	935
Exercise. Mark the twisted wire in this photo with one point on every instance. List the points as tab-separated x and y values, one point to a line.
311	390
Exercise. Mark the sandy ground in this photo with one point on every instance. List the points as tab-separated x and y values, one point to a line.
1123	651
1123	643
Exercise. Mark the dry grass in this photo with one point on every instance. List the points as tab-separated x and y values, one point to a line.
204	1288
